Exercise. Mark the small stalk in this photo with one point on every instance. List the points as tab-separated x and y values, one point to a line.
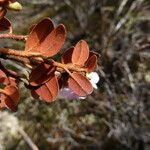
13	52
13	36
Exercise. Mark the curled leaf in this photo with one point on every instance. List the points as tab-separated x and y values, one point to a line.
41	74
66	58
45	39
37	35
3	78
80	53
6	102
2	73
48	91
91	63
5	24
6	80
79	84
13	93
53	42
10	99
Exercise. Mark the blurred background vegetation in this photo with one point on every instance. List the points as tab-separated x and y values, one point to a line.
117	115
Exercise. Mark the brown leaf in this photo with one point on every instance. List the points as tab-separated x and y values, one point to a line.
11	99
41	74
45	39
6	80
91	63
48	91
4	24
66	58
13	93
6	102
34	94
53	42
80	53
38	34
80	84
3	78
2	74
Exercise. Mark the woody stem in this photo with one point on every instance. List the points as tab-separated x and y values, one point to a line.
13	36
68	67
13	52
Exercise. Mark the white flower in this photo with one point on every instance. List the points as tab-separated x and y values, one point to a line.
94	78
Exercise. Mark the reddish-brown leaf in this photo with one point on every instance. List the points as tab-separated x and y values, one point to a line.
11	99
3	78
45	39
53	42
2	74
91	63
66	58
48	91
6	80
38	34
34	94
4	24
6	102
80	53
13	93
80	84
41	74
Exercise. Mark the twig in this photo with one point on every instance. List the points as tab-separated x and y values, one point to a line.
27	139
121	7
114	29
14	52
13	36
131	80
122	22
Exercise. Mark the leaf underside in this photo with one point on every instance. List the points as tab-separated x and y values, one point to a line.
46	39
80	84
48	91
80	53
41	74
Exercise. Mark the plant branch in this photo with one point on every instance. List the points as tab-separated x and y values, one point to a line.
27	139
13	52
69	67
13	36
